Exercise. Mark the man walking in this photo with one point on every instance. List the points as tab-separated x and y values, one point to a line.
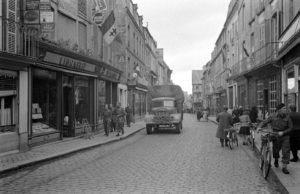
120	114
295	133
282	124
128	115
225	122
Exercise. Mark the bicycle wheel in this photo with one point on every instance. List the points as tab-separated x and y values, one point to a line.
230	143
267	163
261	158
236	141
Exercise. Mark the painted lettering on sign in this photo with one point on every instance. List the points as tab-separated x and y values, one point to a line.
72	63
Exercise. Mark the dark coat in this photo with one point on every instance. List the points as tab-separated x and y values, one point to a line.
295	116
225	122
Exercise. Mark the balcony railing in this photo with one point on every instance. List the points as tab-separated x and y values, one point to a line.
260	57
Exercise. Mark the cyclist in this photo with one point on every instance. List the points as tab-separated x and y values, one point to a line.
282	124
224	120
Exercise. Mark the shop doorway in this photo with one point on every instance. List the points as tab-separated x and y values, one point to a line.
68	106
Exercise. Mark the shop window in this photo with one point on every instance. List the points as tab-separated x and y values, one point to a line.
82	101
44	102
8	110
101	99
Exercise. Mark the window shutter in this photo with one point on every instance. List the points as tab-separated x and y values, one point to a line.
11	28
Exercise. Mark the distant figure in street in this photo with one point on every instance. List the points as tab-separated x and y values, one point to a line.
235	115
295	133
224	120
119	114
107	120
245	126
113	119
128	112
199	114
253	114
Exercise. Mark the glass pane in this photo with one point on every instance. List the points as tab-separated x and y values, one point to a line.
44	101
82	100
101	99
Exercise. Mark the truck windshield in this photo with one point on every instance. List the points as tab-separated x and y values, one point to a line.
165	103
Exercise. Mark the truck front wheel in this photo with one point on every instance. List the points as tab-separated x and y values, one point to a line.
149	129
179	127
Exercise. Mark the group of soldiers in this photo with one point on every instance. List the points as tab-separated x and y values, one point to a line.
114	118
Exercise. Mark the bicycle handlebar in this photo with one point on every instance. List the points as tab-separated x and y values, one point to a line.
267	131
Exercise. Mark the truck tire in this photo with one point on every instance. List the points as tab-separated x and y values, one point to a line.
179	128
149	129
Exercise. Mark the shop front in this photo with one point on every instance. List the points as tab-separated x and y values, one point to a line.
13	103
68	94
137	99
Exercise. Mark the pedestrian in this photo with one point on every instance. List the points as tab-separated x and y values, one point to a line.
295	133
119	112
281	123
107	119
235	115
198	114
128	115
253	114
113	118
245	121
225	121
240	110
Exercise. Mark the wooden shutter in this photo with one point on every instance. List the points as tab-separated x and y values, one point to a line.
11	27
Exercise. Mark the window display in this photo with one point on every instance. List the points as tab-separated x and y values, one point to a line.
82	101
101	99
44	102
8	105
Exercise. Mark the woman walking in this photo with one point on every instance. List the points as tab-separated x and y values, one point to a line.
245	126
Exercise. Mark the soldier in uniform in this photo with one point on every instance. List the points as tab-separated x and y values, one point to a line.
119	114
281	123
107	120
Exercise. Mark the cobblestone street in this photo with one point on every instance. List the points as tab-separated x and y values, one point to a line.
192	162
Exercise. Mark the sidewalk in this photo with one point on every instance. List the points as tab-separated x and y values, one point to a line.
291	182
62	148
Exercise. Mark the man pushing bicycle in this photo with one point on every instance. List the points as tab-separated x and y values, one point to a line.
282	124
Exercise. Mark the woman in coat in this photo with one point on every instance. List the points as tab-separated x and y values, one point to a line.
225	122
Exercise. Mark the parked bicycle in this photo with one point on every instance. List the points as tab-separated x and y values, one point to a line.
232	138
265	158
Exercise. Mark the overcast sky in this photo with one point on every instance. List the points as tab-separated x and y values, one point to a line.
187	31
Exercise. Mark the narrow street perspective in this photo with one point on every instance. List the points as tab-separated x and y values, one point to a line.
163	162
150	96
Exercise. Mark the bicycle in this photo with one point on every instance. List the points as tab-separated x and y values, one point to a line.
232	138
266	151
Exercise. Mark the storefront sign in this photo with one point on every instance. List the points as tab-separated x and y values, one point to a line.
107	73
69	62
31	16
32	4
45	5
47	17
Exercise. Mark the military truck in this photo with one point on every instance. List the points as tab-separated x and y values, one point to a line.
165	105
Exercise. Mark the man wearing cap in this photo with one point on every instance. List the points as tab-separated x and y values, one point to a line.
282	124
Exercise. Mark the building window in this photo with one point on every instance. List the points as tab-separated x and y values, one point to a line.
252	42
273	96
101	99
82	100
44	101
8	105
82	38
260	94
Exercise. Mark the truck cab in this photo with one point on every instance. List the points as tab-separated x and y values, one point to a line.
165	112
